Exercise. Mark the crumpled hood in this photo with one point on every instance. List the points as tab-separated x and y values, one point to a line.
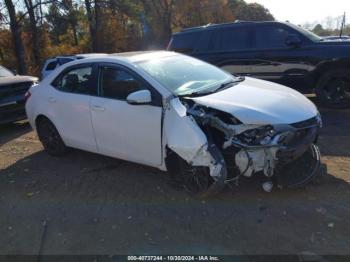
256	101
7	80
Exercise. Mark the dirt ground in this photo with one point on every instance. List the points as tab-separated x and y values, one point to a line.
89	204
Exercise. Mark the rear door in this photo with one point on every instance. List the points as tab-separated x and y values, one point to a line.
123	130
69	106
229	48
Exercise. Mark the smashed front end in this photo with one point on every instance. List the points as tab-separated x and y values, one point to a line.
285	154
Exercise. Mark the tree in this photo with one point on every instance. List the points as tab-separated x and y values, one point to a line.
201	12
34	31
159	14
318	29
250	12
93	22
17	38
43	28
72	14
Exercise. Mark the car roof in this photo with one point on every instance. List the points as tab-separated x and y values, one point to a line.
126	58
131	57
77	56
225	25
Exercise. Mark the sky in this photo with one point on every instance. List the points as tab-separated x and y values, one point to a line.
306	11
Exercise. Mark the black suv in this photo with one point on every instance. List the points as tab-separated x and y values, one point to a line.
274	51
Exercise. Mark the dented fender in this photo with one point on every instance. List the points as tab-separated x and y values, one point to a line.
184	137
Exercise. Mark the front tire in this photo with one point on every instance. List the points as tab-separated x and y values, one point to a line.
50	138
196	180
302	171
333	89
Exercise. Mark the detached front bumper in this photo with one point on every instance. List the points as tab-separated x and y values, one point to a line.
299	161
288	145
298	144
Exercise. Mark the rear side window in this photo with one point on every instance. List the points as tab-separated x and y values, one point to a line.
185	42
267	37
51	66
117	83
74	81
231	39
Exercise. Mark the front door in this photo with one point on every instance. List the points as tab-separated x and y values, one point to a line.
275	60
125	131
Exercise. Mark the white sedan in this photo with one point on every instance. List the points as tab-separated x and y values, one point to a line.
179	114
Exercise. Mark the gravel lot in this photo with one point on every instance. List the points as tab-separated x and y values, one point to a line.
89	204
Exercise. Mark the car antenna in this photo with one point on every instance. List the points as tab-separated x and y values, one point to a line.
342	26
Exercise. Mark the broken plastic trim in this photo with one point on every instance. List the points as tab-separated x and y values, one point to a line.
184	137
258	144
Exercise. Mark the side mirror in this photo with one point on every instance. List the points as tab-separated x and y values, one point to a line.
14	71
142	97
293	40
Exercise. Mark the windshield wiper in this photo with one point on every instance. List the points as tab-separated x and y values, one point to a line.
229	84
212	91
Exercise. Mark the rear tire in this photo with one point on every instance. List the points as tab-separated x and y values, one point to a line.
50	138
333	89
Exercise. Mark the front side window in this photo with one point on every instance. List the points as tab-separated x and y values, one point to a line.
313	37
74	81
267	37
117	83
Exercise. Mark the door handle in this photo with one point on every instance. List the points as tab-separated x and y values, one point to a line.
98	108
52	99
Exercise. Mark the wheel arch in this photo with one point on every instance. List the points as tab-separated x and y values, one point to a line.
44	116
329	66
40	117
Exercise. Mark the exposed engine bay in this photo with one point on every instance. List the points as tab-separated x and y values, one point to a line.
231	149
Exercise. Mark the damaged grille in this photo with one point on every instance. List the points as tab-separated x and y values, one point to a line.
297	142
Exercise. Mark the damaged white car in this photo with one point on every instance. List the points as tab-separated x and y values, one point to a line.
170	111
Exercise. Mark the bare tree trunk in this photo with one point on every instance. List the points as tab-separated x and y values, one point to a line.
161	11
17	38
97	25
34	32
92	27
75	35
1	55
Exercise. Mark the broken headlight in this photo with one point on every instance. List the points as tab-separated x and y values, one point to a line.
258	136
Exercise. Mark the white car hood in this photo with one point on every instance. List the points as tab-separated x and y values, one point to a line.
256	101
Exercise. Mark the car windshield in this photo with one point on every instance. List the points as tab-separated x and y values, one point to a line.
307	33
183	75
5	72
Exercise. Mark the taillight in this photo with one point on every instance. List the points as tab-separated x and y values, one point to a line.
27	95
